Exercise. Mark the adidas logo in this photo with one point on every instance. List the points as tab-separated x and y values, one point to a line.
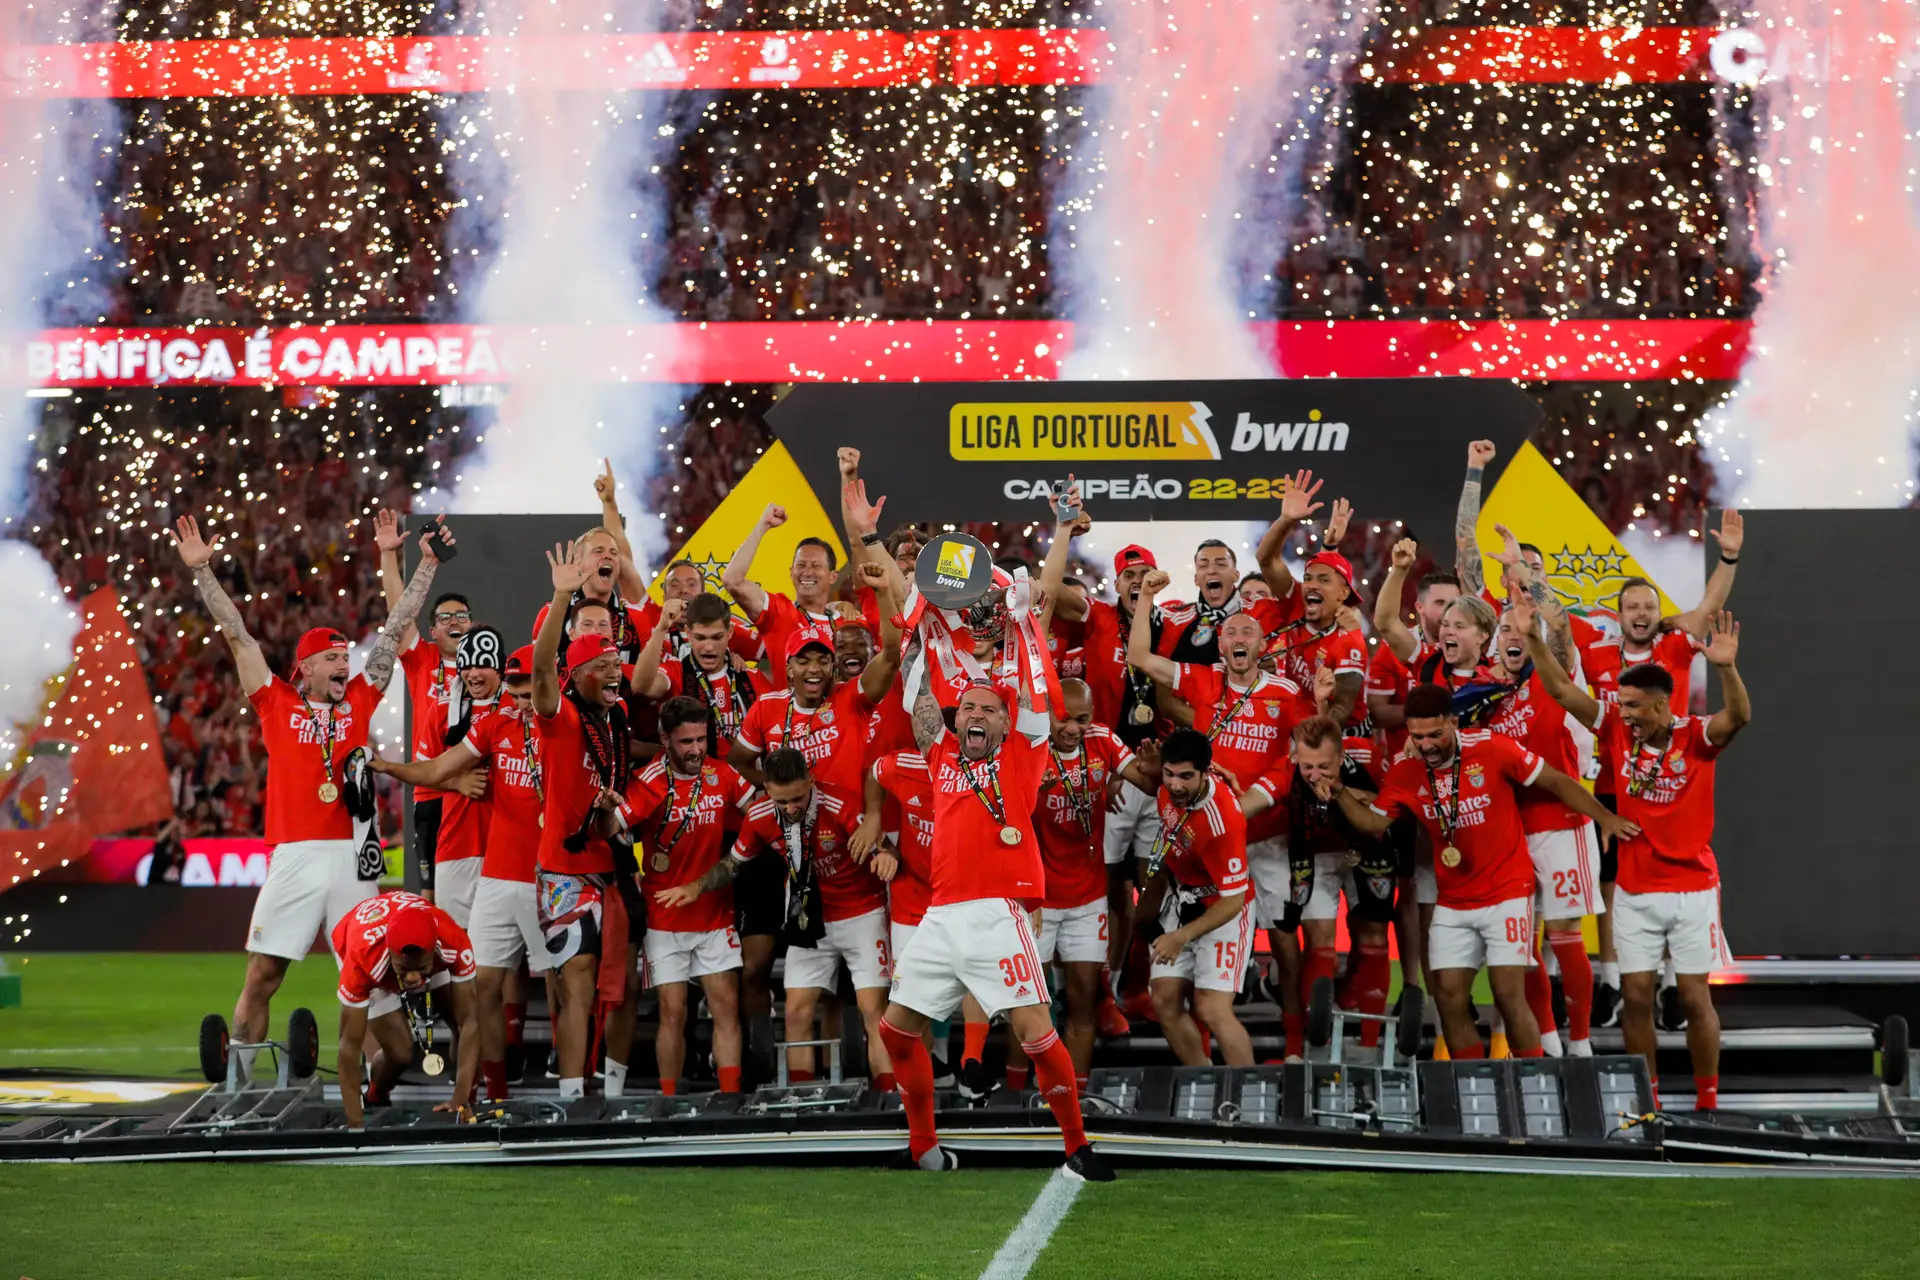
1021	992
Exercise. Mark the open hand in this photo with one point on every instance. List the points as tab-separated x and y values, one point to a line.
1297	503
194	550
885	865
1722	644
678	896
1337	523
568	565
864	515
1731	534
387	535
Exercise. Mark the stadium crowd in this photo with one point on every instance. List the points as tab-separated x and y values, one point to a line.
965	801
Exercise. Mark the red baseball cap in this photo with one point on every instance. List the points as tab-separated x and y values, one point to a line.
582	650
412	927
805	636
1133	554
318	640
520	661
1339	564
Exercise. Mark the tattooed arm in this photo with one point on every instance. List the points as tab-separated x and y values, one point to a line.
718	876
928	723
198	554
1545	599
386	648
1466	545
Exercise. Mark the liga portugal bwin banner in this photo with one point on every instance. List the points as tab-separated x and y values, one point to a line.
93	766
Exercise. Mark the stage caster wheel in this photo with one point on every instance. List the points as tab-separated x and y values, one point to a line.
303	1044
213	1048
1320	1013
1413	1013
1893	1051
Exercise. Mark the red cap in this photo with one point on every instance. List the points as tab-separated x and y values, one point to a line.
856	622
520	661
583	650
318	640
1133	554
805	636
1336	562
411	927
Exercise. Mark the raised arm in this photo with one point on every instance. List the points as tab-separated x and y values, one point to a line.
747	593
1466	543
1576	701
1722	645
1546	601
386	646
568	570
1577	798
1386	606
197	554
1732	536
885	664
389	539
1296	504
648	679
928	723
1069	522
1140	652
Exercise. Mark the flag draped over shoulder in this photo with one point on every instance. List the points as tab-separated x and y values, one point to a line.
93	766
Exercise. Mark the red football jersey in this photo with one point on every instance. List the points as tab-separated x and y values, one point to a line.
1070	820
777	623
1251	728
1674	808
690	831
832	736
1604	660
1389	678
717	688
572	784
744	641
464	822
511	749
430	684
1299	651
1494	865
969	859
1104	660
366	964
1180	616
1067	642
909	788
847	888
1206	844
1533	719
296	733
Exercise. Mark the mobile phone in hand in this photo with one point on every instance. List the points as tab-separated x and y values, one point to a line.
443	550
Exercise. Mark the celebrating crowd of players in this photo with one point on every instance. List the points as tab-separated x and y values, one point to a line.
962	809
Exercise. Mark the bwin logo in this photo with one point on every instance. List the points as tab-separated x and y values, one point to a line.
1289	437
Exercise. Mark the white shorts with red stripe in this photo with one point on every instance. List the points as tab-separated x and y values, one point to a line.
1466	938
861	941
1566	866
1215	961
1074	935
667	956
1648	926
985	948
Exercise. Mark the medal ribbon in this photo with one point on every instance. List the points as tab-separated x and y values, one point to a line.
996	804
1163	847
799	837
1222	721
327	736
663	847
1638	783
1077	800
1449	822
532	758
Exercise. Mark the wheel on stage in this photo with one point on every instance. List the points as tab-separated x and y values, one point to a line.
1893	1051
1320	1013
213	1048
1413	1012
303	1044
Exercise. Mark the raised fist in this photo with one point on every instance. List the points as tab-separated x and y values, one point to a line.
1480	453
1155	582
1405	552
773	517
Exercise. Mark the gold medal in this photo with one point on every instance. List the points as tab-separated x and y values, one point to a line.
328	793
1450	856
801	919
433	1064
1009	836
660	860
1143	715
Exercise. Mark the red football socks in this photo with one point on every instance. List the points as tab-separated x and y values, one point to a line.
885	1082
1535	1052
1053	1072
976	1042
1318	964
516	1019
913	1069
1296	1027
799	1076
1706	1093
1016	1079
1540	993
729	1079
494	1074
1372	971
1470	1053
669	1087
1576	979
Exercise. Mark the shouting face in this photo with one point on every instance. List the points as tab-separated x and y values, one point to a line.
1185	782
1323	592
708	642
1461	639
1214	572
980	722
324	675
1433	737
1432	606
603	563
1241	641
1647	712
852	650
598	680
482	682
1510	644
1639	615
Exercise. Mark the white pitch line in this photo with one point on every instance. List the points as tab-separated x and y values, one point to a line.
1029	1239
